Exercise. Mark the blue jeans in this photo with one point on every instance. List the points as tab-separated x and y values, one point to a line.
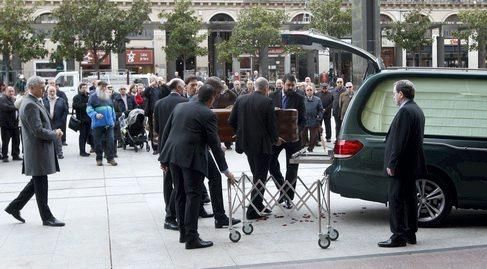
104	136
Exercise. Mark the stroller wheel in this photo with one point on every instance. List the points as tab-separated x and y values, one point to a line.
136	148
147	148
124	146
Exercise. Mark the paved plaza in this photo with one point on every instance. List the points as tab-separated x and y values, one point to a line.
114	219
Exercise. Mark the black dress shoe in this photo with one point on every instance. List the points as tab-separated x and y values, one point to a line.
182	238
65	144
15	214
288	204
171	225
411	239
392	243
53	223
267	211
206	199
5	160
204	214
198	243
17	158
252	215
224	222
84	154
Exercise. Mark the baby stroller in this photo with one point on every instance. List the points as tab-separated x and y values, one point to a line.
133	132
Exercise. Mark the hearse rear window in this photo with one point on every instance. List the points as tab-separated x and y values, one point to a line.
452	107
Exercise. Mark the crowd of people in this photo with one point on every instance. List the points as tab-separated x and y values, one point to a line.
182	130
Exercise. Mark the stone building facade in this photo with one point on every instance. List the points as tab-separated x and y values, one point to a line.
144	52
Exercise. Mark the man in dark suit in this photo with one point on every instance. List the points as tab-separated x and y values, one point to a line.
254	122
287	98
162	111
404	162
327	101
9	124
58	112
151	95
339	89
39	156
190	130
62	95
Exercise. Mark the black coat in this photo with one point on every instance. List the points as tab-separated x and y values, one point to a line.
151	95
60	112
8	113
190	130
163	110
336	101
62	95
404	142
326	102
79	105
254	121
130	102
295	101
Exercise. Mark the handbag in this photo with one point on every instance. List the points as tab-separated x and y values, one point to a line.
74	123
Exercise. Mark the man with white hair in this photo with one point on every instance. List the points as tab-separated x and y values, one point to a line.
254	122
162	111
58	112
39	158
102	114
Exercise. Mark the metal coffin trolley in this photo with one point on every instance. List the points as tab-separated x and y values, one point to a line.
239	196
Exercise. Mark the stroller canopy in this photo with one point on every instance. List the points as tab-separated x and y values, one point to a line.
132	118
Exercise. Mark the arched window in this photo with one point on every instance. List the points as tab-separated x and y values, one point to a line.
302	18
46	18
221	17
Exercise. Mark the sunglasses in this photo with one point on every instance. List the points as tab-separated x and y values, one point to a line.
348	87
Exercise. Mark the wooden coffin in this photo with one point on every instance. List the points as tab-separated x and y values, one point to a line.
225	131
287	122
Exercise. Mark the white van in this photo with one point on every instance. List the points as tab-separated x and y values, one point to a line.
69	81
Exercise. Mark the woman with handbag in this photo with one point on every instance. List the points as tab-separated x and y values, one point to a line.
79	105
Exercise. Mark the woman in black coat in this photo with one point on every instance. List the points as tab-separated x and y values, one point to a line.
79	106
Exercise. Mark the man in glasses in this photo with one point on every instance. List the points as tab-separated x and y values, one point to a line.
339	89
345	99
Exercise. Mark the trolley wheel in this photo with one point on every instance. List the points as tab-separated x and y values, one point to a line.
333	234
147	148
235	236
124	146
324	242
136	148
247	228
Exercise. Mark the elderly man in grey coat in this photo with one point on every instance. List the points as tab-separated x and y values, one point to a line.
39	156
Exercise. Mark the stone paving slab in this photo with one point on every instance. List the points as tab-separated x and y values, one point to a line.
115	215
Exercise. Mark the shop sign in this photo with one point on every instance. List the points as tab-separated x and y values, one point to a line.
88	58
139	57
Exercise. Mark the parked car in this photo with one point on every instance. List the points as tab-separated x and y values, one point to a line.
455	106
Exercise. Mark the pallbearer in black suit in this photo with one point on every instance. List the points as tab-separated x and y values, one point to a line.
162	111
404	162
254	122
287	98
190	130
